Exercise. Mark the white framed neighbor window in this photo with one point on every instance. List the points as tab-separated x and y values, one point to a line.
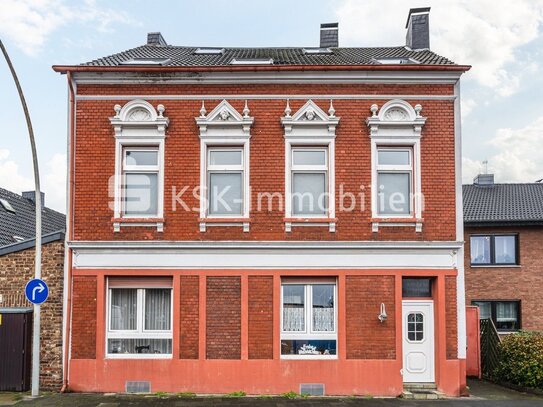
139	318
140	182
309	180
394	181
225	179
137	192
310	166
396	190
308	319
224	166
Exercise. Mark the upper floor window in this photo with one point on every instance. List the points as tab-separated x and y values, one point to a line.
308	319
494	250
395	181
225	174
309	178
140	175
504	314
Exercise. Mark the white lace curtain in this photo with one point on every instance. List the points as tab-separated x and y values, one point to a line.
157	309
323	319
506	311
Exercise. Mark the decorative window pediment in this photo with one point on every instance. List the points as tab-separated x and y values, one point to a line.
224	116
139	114
310	119
396	114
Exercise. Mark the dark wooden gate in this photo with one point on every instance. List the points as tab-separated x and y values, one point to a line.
490	348
15	349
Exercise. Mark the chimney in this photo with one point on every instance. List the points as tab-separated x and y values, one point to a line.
329	35
156	39
484	180
31	196
418	28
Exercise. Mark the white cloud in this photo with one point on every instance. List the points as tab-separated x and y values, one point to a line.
53	179
518	155
482	33
468	104
28	23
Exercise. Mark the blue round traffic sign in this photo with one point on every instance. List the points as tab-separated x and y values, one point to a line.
36	291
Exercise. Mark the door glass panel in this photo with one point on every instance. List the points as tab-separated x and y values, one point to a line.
415	327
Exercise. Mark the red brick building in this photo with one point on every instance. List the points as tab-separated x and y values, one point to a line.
266	220
504	262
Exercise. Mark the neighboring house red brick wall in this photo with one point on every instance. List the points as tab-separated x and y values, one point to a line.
16	269
96	149
260	317
223	312
188	317
523	283
367	338
84	317
451	317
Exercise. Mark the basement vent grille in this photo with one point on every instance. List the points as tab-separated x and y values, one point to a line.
138	387
312	389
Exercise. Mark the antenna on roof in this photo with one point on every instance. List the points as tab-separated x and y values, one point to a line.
485	163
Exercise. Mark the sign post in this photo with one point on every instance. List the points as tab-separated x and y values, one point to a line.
36	291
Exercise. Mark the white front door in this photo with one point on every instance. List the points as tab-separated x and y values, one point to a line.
418	341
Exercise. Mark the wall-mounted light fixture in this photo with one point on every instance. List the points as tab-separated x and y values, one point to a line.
383	314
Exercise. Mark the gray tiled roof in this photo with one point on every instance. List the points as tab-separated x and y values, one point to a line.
503	203
22	223
185	56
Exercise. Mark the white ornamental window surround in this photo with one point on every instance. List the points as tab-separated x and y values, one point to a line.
138	126
396	127
308	318
223	133
310	129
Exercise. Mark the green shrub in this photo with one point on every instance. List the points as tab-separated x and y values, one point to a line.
521	360
236	394
290	395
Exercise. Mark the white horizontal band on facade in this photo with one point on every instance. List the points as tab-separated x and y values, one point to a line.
266	255
285	77
265	97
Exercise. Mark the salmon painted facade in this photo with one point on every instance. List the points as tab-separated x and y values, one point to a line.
266	220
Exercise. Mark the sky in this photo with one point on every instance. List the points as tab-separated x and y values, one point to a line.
502	95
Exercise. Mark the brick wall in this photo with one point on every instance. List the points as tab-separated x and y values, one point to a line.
188	317
260	317
95	162
223	318
524	283
84	317
451	317
16	269
367	338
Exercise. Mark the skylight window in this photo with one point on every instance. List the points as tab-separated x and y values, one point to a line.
18	238
146	61
317	51
396	61
252	61
7	206
209	51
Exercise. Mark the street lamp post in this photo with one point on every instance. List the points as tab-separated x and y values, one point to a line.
37	200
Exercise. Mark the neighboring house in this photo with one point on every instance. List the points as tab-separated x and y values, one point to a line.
17	243
503	226
252	219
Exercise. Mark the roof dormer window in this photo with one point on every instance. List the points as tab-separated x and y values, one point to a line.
317	51
146	61
6	205
252	61
209	51
396	61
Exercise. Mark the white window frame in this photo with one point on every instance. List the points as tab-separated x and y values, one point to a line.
309	333
395	169
138	125
140	169
140	332
310	128
397	125
224	128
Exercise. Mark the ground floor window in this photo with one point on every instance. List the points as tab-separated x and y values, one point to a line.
139	318
504	314
308	319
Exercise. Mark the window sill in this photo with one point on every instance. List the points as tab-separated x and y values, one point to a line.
396	222
211	222
318	222
496	266
144	356
132	222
